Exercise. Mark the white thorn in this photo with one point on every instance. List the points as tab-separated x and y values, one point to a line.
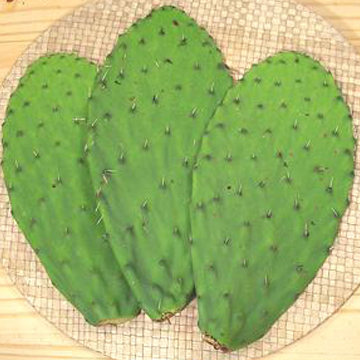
105	74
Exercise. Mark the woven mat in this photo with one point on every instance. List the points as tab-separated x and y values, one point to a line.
247	31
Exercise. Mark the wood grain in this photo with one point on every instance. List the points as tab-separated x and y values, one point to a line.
26	335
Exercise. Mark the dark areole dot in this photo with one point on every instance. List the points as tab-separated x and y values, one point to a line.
107	116
274	248
155	99
183	41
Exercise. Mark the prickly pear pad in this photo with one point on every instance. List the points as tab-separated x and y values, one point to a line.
150	106
274	172
49	185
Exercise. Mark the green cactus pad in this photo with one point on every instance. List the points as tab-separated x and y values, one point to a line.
150	106
50	188
272	182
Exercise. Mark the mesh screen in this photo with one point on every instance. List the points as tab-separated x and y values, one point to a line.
247	31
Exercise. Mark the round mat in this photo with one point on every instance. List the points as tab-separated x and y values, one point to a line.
247	31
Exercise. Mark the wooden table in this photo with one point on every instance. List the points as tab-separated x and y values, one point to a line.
26	335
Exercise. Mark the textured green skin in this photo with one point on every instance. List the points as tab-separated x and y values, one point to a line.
50	187
147	134
263	214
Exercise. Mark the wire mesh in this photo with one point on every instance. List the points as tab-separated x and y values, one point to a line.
247	31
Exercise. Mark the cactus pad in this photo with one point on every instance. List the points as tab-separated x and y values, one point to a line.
272	182
151	103
50	189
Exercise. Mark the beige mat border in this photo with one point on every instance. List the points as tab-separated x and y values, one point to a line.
247	31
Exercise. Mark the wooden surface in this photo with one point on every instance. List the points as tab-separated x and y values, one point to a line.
26	335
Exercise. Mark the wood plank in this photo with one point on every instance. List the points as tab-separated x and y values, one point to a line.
39	5
24	334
